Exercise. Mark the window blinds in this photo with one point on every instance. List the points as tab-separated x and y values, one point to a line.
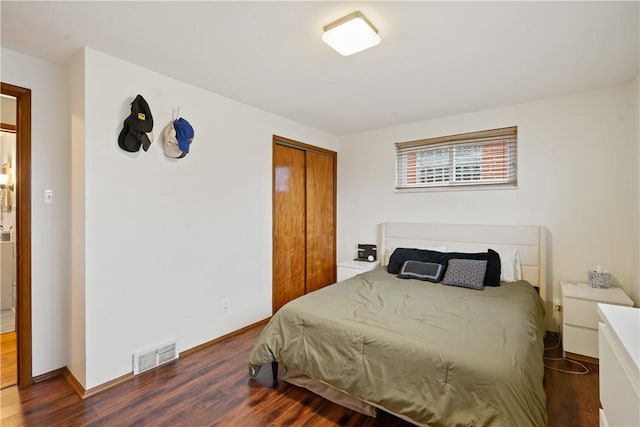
477	158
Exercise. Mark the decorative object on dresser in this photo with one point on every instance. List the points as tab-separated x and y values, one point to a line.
580	317
619	347
600	278
350	268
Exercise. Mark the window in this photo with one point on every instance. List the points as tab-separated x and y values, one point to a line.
477	158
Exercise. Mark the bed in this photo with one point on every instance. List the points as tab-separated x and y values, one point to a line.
431	354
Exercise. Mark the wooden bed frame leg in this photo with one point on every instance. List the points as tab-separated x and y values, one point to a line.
274	372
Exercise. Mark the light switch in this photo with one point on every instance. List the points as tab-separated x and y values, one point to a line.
48	197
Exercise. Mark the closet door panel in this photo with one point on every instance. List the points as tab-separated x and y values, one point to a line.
321	208
289	232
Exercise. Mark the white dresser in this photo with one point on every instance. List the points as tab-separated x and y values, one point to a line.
349	268
619	342
580	316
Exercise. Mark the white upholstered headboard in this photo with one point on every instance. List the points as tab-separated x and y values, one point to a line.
530	241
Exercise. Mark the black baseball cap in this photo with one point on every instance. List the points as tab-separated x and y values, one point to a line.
140	118
131	139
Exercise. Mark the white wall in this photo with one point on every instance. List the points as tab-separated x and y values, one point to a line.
635	96
576	175
166	240
77	345
50	223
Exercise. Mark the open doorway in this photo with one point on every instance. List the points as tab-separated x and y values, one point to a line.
15	230
8	290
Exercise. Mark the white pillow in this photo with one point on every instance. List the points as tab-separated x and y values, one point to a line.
389	251
510	266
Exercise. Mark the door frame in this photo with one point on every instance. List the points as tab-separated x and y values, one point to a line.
23	230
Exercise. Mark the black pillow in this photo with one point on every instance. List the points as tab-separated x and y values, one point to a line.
428	271
401	255
494	268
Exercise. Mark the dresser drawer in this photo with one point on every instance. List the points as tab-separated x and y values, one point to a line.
580	312
576	339
619	392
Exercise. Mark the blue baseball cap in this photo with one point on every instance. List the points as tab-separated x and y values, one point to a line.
184	134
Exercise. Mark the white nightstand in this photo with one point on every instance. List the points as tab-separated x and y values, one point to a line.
580	315
349	268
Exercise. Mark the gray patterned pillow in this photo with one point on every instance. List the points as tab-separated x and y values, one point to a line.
467	273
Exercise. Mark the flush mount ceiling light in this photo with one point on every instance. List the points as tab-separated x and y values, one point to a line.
351	34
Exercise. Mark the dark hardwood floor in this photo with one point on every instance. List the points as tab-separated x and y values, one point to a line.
211	387
572	400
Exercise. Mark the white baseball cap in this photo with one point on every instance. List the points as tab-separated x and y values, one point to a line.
170	145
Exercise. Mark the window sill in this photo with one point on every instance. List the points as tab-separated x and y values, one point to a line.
478	187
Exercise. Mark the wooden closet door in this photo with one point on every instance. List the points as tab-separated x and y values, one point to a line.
289	229
321	231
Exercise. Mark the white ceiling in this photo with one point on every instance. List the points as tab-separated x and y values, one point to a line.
435	58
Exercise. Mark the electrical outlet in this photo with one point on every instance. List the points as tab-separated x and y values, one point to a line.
225	305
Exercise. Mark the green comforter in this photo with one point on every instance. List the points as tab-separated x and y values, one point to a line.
438	355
